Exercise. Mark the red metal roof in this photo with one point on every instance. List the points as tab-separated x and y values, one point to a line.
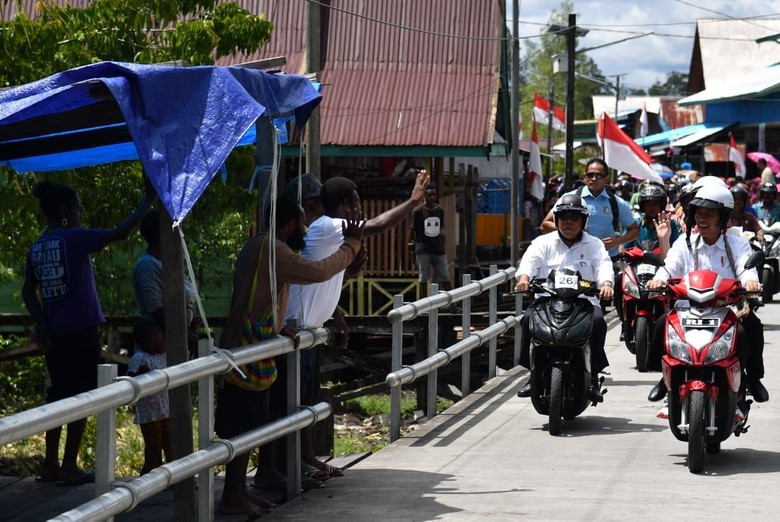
383	84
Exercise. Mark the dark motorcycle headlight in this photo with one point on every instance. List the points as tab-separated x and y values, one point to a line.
560	306
676	346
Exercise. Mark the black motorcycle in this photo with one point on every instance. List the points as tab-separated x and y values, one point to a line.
560	324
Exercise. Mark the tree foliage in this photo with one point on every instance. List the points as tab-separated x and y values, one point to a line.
537	74
144	31
676	84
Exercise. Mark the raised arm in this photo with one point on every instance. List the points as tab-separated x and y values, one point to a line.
388	219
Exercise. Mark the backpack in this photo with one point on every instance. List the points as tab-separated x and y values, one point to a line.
613	205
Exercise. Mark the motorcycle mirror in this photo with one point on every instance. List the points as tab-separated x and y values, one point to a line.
651	258
756	259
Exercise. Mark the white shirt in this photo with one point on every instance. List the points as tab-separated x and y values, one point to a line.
312	305
679	260
548	252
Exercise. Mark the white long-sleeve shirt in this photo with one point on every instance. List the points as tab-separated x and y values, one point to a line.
679	260
587	256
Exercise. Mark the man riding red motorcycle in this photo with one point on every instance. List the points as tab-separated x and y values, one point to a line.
711	247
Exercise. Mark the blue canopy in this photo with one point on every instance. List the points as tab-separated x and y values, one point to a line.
180	122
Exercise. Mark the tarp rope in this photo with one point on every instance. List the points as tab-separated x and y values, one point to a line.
227	355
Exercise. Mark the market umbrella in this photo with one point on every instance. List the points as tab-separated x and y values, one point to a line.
771	162
662	170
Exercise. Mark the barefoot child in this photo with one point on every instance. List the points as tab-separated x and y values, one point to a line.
152	411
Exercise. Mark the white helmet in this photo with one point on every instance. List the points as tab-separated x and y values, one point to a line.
714	195
709	181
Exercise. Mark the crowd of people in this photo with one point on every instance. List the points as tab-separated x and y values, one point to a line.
690	216
317	244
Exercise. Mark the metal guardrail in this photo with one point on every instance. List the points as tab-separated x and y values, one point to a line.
115	392
437	358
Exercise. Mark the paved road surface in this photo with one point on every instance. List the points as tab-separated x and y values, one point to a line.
491	458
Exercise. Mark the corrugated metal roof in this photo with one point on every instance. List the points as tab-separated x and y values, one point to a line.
729	49
385	84
676	116
754	85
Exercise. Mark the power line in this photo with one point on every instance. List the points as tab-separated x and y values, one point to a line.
722	14
414	29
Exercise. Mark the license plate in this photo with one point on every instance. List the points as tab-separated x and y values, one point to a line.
645	269
566	281
693	322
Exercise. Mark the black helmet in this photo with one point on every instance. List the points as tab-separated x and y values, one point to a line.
739	192
769	188
687	193
571	202
651	192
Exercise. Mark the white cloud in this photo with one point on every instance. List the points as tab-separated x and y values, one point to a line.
648	59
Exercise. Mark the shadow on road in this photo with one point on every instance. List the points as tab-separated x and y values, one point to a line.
595	425
737	461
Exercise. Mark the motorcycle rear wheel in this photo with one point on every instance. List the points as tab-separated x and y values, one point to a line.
642	338
556	400
696	434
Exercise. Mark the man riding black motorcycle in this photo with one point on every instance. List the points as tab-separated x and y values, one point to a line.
577	250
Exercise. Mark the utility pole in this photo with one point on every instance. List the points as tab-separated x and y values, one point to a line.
550	128
571	34
516	191
312	134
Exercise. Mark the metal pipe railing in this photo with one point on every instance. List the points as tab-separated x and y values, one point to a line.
127	495
127	390
443	357
426	304
437	358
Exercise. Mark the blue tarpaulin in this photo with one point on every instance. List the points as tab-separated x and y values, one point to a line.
180	122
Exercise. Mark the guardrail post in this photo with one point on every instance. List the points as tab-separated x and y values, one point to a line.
105	450
492	317
518	327
293	440
396	360
205	434
433	347
465	360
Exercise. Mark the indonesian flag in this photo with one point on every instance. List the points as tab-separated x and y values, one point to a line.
536	185
623	153
542	112
644	124
735	157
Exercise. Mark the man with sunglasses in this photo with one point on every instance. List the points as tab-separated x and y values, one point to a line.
609	215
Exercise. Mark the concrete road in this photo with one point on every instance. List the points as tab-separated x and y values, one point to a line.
490	457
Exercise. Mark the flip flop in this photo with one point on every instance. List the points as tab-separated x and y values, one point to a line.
44	479
84	478
333	471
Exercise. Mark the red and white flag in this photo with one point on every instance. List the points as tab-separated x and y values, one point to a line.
535	183
623	153
736	157
542	112
644	123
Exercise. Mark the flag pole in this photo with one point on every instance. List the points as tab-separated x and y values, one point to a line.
516	191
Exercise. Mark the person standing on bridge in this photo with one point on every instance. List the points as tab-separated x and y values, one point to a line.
242	401
60	293
573	248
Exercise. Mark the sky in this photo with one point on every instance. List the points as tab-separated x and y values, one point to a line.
643	61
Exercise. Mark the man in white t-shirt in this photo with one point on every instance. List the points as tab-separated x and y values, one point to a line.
314	304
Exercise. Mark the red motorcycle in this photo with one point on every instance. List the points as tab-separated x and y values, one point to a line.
641	307
700	367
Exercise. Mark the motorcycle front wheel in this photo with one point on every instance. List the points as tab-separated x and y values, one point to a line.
768	285
696	433
556	400
642	338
